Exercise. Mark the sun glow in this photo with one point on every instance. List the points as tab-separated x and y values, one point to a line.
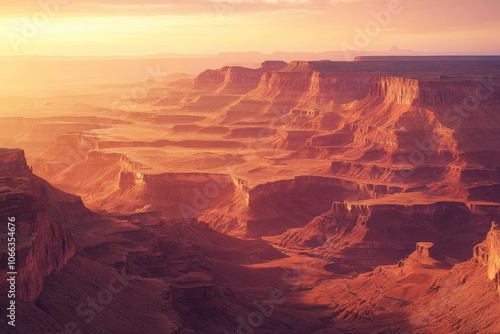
114	28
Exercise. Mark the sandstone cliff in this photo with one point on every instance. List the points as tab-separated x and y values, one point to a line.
381	234
488	254
43	240
235	80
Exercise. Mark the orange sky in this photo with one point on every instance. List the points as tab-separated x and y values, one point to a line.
132	27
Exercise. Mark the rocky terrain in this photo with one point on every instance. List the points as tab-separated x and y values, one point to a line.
365	192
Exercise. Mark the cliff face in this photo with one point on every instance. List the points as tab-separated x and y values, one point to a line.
488	254
43	242
396	89
426	125
364	190
231	79
306	87
177	195
13	161
435	92
381	234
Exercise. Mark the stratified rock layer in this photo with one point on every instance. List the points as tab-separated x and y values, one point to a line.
43	242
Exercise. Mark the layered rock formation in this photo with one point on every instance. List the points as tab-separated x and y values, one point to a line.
423	254
13	161
488	254
193	287
43	241
421	294
234	80
380	234
345	164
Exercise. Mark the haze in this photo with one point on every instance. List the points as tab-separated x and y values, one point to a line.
265	167
127	27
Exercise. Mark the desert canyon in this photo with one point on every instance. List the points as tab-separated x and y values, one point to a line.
321	197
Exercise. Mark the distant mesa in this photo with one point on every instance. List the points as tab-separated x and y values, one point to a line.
427	58
273	65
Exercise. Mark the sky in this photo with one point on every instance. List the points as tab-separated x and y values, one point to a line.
133	27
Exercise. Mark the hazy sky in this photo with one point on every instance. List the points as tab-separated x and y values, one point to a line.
130	27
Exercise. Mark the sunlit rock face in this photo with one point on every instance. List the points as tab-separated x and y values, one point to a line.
358	189
488	254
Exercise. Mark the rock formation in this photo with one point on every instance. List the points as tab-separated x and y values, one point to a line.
43	241
488	254
311	178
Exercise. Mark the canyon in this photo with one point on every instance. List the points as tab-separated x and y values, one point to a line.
365	192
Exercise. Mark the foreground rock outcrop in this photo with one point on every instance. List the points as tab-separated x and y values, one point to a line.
43	241
488	254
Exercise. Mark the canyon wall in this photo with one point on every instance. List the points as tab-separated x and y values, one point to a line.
175	195
435	92
366	190
13	161
43	242
396	89
381	234
488	254
231	79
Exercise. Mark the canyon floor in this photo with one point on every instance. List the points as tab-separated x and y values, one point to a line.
300	197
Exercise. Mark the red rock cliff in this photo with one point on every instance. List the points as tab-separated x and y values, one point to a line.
488	254
43	242
230	79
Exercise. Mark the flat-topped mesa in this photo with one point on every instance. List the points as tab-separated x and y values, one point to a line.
273	65
426	58
488	254
229	79
13	160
